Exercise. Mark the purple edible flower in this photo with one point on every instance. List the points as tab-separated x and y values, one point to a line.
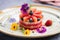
12	20
24	8
41	30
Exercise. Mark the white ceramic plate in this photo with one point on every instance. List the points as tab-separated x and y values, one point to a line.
48	13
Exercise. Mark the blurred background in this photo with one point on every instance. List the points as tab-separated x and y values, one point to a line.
10	3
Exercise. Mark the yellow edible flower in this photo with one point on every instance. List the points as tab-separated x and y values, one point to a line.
27	32
14	26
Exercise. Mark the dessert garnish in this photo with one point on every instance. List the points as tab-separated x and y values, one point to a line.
38	19
22	19
48	23
27	32
30	20
14	26
12	20
31	13
41	30
25	8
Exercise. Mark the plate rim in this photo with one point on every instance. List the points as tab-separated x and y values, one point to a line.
29	36
32	36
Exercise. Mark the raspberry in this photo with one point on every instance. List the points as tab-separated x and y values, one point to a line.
48	23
